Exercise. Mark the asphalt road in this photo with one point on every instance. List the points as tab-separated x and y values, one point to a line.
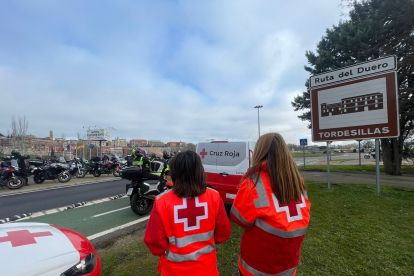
312	160
44	200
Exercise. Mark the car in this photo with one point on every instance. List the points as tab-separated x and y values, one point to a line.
225	163
46	250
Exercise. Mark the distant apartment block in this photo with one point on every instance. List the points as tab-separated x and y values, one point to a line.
119	142
155	143
176	144
138	143
354	104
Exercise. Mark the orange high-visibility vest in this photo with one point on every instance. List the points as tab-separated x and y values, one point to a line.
274	232
189	225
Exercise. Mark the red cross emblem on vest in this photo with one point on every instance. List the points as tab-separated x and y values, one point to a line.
190	213
203	153
293	209
23	237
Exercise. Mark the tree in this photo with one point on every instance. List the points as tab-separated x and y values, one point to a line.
19	131
375	28
190	146
367	144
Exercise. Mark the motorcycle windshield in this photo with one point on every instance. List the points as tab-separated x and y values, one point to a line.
62	160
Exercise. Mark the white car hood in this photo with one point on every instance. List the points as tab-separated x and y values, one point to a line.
35	249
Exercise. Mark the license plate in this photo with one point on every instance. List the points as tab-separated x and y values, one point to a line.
130	191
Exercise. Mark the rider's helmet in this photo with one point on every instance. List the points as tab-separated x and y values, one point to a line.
143	151
15	152
137	151
166	154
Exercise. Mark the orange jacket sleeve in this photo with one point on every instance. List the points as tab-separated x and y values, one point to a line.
223	226
243	211
155	238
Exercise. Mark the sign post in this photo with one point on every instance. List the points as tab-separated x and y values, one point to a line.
303	143
377	153
327	164
356	102
359	151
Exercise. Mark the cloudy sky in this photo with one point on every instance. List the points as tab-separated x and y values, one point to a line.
159	70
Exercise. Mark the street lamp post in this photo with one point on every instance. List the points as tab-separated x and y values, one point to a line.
258	117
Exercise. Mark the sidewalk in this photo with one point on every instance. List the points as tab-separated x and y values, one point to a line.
50	184
359	178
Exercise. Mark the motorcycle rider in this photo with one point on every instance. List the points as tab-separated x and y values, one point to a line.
105	158
143	161
22	165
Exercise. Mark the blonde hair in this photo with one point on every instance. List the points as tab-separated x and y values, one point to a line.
272	154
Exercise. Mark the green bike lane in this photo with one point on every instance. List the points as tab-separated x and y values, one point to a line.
94	220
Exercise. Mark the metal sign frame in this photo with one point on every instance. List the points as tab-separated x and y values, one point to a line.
359	131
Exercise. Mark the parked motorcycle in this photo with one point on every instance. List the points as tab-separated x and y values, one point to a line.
58	170
76	168
93	166
10	176
142	191
367	156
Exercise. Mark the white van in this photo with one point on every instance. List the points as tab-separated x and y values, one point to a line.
225	163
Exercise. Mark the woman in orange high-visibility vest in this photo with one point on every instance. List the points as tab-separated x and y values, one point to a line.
187	222
273	207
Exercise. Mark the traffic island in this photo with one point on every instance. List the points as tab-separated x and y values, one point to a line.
50	184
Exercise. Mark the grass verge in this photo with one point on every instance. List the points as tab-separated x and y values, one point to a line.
352	231
405	169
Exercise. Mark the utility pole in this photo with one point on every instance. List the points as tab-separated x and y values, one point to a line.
258	117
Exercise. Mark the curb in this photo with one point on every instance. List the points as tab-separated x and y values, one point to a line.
60	187
59	209
348	172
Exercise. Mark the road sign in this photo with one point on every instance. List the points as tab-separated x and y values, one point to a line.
303	142
98	135
353	103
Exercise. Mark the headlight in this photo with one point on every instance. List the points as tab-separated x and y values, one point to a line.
85	266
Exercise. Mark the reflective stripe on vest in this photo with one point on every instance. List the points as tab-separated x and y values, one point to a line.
255	272
237	214
160	195
277	232
262	201
184	241
189	257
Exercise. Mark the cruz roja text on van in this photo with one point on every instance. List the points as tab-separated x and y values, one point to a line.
359	70
353	132
226	153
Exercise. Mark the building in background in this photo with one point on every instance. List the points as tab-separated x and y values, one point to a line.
138	143
155	143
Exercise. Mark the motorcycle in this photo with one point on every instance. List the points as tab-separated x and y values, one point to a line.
59	171
142	191
10	176
76	168
367	156
110	166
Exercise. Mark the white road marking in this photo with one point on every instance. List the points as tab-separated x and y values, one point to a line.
20	192
95	216
103	233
